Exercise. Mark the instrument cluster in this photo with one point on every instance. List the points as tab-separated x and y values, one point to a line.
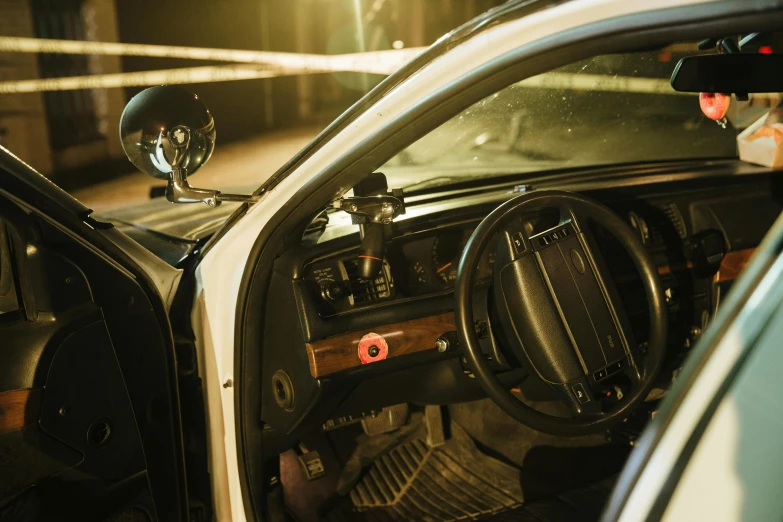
432	261
415	265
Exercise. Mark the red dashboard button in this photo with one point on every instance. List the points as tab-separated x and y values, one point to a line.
372	347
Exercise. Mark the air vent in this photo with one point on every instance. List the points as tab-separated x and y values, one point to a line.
660	226
672	213
381	287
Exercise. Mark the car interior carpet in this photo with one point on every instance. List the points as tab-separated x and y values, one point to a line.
414	481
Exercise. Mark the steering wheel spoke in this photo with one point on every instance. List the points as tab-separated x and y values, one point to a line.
485	332
633	371
559	310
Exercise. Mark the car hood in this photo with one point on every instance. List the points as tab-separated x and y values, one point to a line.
190	222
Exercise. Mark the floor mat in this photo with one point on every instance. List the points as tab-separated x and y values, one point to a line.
549	464
412	481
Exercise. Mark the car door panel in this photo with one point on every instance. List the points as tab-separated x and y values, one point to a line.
89	413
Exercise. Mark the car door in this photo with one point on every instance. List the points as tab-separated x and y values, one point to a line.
89	417
713	450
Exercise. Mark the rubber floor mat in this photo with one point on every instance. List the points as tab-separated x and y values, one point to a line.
412	481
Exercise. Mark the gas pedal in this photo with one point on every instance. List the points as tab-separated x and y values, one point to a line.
389	419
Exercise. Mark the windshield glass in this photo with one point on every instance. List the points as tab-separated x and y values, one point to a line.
606	110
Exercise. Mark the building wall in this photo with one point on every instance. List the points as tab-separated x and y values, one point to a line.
23	127
100	21
25	119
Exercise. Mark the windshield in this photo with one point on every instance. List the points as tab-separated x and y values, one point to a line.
606	110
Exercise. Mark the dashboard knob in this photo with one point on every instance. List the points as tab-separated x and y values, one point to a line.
333	291
372	347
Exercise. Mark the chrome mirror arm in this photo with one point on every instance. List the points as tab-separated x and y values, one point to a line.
373	209
178	190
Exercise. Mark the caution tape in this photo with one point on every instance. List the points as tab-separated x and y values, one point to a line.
379	62
225	73
249	65
206	74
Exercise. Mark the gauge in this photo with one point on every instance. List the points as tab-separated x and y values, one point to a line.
419	278
419	274
446	250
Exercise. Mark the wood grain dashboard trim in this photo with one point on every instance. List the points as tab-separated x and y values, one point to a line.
341	351
18	408
733	264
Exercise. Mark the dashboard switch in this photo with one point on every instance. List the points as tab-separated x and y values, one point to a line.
333	291
580	393
519	242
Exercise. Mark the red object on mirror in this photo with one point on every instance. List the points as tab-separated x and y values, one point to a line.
765	49
714	105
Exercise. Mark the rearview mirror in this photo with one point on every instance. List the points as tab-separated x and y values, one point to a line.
168	133
741	73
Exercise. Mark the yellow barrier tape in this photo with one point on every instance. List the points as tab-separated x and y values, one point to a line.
380	62
206	74
225	73
263	64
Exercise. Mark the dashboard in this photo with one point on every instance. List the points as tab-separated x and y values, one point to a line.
410	303
417	264
422	263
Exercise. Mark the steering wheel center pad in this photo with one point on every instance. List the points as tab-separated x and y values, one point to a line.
560	312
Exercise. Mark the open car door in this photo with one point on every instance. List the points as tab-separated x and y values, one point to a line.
713	450
89	414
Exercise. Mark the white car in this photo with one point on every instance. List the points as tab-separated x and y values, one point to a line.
508	284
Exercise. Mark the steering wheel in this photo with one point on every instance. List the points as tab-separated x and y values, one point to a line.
560	313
